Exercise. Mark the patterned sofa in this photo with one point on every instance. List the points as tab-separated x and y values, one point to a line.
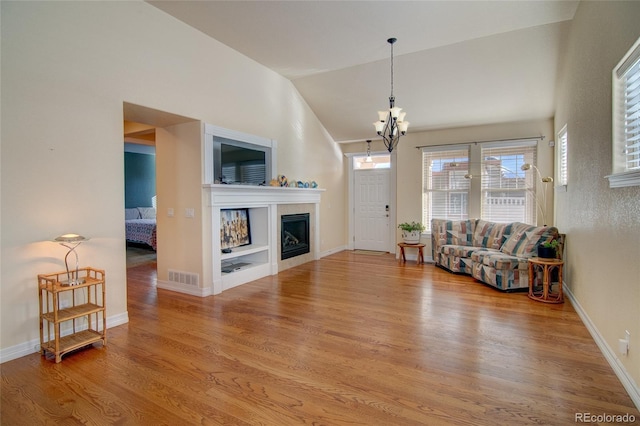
494	253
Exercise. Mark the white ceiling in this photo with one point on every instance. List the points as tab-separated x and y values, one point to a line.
456	63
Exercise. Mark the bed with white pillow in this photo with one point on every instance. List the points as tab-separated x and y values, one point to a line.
140	225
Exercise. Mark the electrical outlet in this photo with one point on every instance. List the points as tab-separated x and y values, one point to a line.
623	344
627	336
170	212
189	212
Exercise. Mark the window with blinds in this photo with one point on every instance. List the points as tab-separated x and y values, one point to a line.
508	192
445	188
626	120
631	107
563	166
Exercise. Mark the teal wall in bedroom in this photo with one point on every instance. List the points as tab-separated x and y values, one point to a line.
139	179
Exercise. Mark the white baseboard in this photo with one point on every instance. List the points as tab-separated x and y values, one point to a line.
33	346
333	251
618	368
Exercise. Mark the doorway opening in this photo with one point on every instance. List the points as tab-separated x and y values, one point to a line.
140	170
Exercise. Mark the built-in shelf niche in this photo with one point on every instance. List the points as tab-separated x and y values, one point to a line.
251	261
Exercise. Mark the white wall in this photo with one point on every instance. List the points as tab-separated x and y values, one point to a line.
67	68
602	224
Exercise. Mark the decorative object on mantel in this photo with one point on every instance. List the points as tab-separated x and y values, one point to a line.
71	241
282	181
391	123
411	232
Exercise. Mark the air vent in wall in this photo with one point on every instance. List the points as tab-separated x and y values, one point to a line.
187	278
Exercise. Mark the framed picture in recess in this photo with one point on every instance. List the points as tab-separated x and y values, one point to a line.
234	228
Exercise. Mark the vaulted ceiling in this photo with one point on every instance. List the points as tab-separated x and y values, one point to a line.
456	63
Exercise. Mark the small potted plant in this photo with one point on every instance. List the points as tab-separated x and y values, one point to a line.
411	232
548	250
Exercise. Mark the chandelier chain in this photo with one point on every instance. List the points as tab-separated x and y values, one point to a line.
392	69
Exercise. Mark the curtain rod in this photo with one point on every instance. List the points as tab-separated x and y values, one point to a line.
530	138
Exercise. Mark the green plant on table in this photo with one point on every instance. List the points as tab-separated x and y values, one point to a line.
411	226
551	244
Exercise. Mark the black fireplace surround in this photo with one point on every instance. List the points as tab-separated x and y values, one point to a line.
294	239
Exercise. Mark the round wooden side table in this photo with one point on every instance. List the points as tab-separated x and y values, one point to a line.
418	246
543	291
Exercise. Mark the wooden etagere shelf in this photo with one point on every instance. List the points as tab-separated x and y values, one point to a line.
79	308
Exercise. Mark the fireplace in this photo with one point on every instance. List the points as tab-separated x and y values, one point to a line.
294	239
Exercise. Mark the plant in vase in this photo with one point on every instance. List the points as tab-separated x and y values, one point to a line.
411	232
548	250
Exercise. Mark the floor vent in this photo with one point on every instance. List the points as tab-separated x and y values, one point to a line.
187	278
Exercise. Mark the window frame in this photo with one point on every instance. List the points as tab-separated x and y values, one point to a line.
455	153
525	182
621	175
562	156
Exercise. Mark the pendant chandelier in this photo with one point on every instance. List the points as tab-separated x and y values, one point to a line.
391	124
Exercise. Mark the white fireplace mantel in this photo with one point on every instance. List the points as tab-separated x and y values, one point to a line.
263	203
245	195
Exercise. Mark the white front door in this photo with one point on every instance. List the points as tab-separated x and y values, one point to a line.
371	204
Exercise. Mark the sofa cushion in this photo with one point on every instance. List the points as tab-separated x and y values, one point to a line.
524	239
498	260
455	232
490	234
459	251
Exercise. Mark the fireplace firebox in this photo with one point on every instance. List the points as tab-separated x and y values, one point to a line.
294	239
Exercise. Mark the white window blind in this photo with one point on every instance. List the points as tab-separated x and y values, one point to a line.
508	192
626	120
563	165
631	98
445	188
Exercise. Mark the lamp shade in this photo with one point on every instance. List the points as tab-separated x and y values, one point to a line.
403	126
70	238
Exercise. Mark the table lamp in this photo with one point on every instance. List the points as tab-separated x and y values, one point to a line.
71	241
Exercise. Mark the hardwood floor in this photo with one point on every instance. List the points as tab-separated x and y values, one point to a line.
350	339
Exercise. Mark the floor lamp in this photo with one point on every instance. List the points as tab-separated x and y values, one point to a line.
545	180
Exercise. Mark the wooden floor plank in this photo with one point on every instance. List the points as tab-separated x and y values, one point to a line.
351	339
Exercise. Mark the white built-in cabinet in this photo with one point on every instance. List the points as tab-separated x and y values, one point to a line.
261	256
